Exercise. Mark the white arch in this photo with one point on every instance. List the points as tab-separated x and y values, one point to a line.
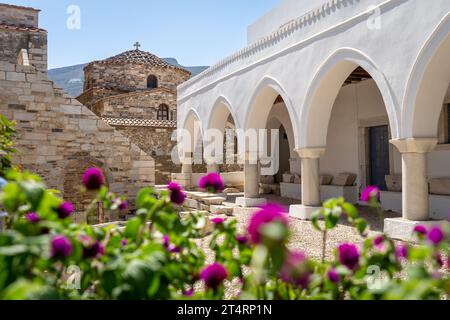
324	89
427	85
262	99
218	109
191	123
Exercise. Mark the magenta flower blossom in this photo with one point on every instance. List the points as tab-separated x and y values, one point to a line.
218	221
269	213
91	248
124	242
123	205
32	217
174	249
370	193
349	255
439	260
93	179
212	182
401	252
295	270
177	195
378	241
436	235
65	210
241	239
60	247
188	293
214	275
166	241
421	230
334	276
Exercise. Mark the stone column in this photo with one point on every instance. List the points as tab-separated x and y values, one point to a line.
415	192
415	195
185	177
251	185
310	183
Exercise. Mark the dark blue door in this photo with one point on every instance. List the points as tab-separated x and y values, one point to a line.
379	156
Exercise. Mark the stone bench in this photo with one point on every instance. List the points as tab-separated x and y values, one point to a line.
439	204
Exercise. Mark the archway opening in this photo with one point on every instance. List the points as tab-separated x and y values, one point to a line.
152	82
348	116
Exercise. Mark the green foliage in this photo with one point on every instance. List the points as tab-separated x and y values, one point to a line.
6	143
157	254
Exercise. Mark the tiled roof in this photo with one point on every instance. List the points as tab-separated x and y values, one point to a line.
122	122
20	28
140	57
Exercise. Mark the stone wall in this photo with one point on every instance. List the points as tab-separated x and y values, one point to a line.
57	137
13	40
137	105
130	77
19	16
157	143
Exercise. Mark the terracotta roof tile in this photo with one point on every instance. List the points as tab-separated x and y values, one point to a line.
139	57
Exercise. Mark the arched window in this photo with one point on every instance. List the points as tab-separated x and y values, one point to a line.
163	112
152	82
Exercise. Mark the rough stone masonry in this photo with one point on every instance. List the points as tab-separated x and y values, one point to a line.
58	137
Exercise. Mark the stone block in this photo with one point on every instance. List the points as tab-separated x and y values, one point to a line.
325	180
213	201
14	76
87	125
2	75
297	179
344	180
402	229
221	210
267	179
250	202
288	178
440	187
70	109
394	183
191	203
302	212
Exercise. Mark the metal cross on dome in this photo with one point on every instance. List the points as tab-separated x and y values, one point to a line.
137	45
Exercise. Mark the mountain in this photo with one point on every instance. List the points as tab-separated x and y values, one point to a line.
71	78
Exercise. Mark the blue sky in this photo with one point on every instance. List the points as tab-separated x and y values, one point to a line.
196	32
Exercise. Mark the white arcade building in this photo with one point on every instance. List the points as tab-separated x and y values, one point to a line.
359	87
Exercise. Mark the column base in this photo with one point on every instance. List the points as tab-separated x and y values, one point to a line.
250	202
302	212
402	229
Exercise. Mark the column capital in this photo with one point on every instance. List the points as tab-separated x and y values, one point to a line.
415	145
311	153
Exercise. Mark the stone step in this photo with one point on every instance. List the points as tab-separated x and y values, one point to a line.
213	201
221	210
185	213
191	203
199	195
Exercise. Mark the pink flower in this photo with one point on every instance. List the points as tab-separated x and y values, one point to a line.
241	239
370	193
32	217
268	214
60	247
218	221
177	195
334	276
401	252
212	182
295	270
349	255
91	248
214	275
65	210
421	230
93	179
123	205
436	235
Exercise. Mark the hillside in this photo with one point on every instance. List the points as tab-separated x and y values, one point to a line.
71	78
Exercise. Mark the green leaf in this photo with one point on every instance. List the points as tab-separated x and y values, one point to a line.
13	250
361	225
132	228
351	210
315	220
